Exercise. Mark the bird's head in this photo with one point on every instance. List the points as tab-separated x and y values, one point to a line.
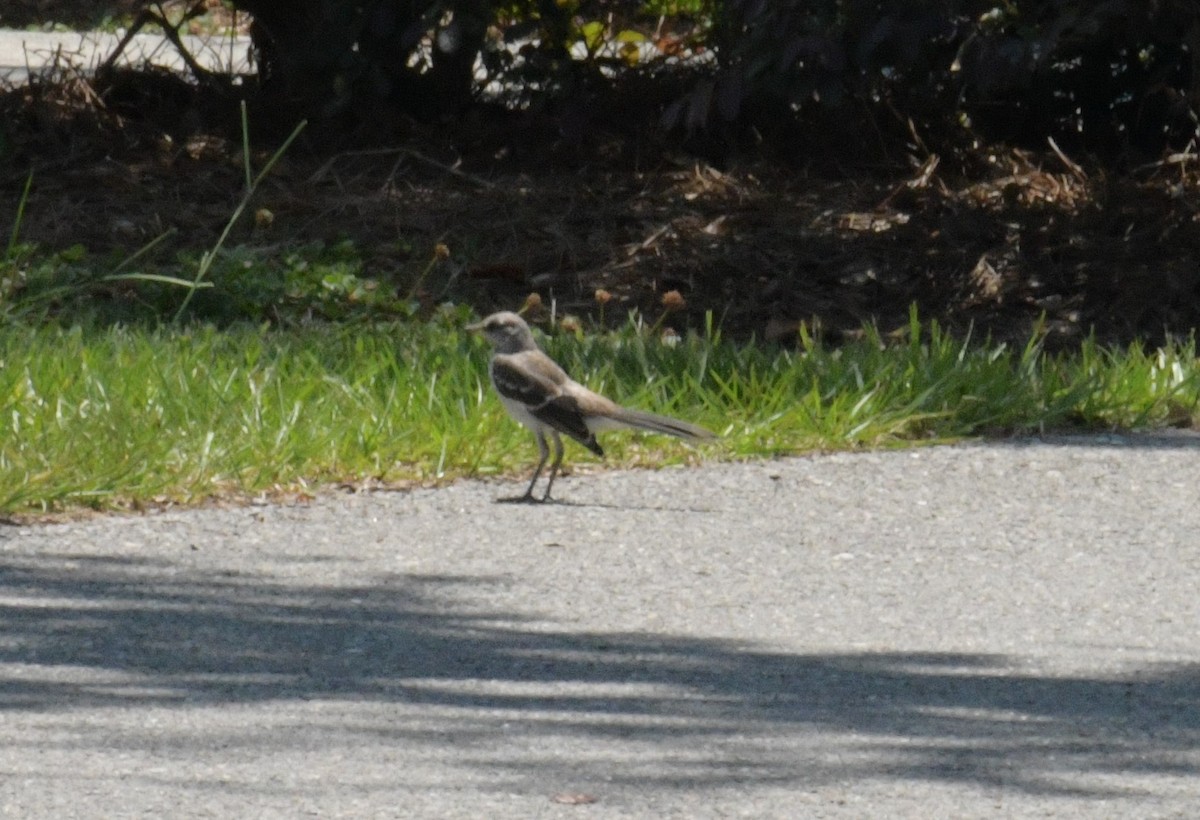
506	331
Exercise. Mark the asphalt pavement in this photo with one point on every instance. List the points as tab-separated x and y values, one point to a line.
992	630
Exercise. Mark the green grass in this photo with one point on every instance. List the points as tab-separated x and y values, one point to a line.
115	416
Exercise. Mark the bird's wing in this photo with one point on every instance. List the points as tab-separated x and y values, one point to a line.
515	379
535	381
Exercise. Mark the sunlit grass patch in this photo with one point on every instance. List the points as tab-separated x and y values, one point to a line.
113	416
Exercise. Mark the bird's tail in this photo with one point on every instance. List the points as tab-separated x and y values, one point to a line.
666	425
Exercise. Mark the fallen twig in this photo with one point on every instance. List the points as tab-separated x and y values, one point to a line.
1072	166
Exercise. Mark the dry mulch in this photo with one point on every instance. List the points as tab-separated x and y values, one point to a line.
763	244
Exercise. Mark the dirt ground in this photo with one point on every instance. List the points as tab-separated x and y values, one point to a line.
763	243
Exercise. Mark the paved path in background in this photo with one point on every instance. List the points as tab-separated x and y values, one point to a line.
1000	630
22	52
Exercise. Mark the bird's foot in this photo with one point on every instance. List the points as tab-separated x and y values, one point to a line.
528	498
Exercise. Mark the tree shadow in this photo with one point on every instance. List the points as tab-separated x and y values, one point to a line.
84	632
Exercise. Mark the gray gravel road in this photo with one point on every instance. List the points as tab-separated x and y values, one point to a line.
999	630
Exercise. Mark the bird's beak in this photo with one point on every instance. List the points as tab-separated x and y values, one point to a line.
475	327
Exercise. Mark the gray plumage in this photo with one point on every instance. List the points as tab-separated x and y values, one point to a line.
540	395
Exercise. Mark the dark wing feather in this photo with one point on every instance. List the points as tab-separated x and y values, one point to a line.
520	384
562	413
544	400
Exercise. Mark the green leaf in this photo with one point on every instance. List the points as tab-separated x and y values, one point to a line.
593	35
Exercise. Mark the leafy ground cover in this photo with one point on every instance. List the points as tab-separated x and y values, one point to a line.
123	417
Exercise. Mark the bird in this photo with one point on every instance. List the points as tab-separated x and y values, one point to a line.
539	394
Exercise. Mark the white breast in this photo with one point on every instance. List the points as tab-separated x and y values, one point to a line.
521	414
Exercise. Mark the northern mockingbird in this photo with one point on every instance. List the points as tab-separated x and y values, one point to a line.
539	394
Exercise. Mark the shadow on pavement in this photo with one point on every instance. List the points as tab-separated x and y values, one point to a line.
86	632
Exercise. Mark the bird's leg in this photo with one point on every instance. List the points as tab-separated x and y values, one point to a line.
544	451
543	454
558	457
